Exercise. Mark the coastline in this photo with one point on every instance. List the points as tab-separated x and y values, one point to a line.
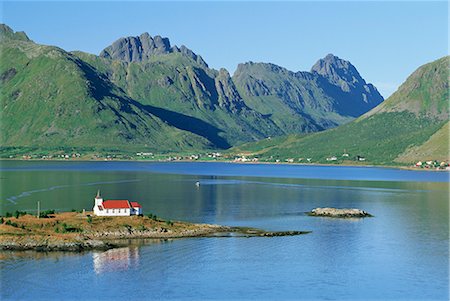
76	232
401	167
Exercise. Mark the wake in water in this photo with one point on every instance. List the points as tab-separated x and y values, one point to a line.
13	199
303	186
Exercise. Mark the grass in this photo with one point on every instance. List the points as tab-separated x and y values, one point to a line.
69	225
380	138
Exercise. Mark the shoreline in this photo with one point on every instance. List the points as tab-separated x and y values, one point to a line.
400	167
76	232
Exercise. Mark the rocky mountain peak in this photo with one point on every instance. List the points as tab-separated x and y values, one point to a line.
137	49
144	46
6	33
338	71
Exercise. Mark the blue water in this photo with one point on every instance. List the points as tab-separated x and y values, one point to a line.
401	253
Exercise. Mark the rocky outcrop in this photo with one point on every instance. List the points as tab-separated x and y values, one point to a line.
6	33
342	213
228	96
143	47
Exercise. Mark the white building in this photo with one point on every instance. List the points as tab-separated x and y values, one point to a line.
115	207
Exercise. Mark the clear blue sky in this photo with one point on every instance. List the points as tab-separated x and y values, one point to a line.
386	41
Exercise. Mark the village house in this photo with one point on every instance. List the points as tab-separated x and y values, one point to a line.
115	207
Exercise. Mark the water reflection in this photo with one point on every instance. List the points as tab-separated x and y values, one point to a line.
113	260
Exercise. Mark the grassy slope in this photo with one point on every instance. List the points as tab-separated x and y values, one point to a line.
425	92
74	107
402	122
435	148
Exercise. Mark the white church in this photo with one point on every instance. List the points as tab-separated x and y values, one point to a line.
115	207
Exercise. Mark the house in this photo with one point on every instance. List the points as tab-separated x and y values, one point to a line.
115	207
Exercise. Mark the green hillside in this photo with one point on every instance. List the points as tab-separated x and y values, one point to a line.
435	148
51	99
400	130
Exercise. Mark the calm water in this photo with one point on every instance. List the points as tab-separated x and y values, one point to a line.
401	253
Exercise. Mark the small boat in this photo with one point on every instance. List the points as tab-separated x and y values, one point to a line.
197	184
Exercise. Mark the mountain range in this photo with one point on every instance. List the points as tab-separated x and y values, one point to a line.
410	126
143	93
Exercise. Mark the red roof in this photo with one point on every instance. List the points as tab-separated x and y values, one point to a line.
116	204
135	204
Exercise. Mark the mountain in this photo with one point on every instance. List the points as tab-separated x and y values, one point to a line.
143	92
344	83
157	74
51	98
409	126
331	94
143	47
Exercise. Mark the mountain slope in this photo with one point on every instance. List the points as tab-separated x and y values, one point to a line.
398	130
51	98
155	73
331	94
435	148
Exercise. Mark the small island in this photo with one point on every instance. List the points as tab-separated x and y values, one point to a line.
339	213
79	231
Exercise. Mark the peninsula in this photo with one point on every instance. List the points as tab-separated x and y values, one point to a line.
74	231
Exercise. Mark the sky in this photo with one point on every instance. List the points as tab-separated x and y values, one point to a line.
385	41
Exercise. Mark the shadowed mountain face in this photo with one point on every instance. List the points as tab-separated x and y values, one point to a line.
147	93
331	94
343	83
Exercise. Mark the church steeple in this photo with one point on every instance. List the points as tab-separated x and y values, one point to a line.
98	199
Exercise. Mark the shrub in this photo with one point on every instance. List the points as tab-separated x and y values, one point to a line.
19	213
13	224
169	223
8	214
152	216
2	220
69	229
46	213
89	219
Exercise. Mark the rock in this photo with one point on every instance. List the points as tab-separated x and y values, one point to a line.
341	213
228	96
141	48
341	74
283	233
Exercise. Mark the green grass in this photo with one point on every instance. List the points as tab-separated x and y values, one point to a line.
380	139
